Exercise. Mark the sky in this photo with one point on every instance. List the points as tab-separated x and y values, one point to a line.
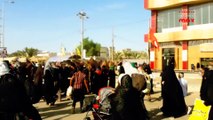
48	25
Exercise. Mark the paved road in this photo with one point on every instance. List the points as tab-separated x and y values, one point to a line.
62	110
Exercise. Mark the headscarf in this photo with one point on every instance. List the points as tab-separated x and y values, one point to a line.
172	63
126	82
120	77
47	66
4	68
129	69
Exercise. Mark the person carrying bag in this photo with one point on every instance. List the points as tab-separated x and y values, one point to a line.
79	84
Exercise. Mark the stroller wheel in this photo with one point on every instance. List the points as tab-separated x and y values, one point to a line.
87	118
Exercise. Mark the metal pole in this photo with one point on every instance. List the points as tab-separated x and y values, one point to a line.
82	16
82	37
3	21
2	26
112	44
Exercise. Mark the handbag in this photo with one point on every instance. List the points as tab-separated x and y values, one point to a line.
200	111
69	91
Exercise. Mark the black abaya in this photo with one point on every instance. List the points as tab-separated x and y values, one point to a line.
173	99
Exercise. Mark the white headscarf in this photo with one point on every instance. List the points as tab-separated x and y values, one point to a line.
47	66
129	69
4	68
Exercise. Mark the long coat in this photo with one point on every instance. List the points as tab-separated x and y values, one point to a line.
207	90
173	99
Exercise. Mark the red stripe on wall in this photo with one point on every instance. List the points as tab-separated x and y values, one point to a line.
146	4
152	49
152	64
185	16
185	45
185	65
154	21
154	28
146	38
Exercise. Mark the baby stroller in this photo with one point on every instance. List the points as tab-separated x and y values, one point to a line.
101	106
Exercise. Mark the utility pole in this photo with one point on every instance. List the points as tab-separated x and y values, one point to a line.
148	43
3	49
112	44
82	16
2	36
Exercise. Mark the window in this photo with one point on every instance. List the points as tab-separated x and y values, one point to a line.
197	15
192	15
202	14
205	14
171	19
165	19
211	12
168	19
159	22
177	16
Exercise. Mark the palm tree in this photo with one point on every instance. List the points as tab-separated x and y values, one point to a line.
118	56
27	52
30	52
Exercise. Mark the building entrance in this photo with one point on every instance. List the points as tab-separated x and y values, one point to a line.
206	61
167	53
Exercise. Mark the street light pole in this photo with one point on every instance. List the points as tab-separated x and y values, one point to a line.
82	16
3	22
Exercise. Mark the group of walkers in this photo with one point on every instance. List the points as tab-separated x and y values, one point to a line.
15	103
32	82
24	84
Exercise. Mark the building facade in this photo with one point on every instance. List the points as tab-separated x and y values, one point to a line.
184	30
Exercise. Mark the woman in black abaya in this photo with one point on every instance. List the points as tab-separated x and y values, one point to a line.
126	102
173	100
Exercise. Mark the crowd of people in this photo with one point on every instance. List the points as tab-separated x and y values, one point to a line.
50	80
15	103
27	83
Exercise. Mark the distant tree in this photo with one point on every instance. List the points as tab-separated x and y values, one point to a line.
136	55
30	52
92	48
18	53
26	52
118	56
128	54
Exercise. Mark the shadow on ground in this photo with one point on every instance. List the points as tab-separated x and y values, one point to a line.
59	109
156	114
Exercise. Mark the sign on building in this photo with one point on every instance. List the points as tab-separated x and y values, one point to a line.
3	52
